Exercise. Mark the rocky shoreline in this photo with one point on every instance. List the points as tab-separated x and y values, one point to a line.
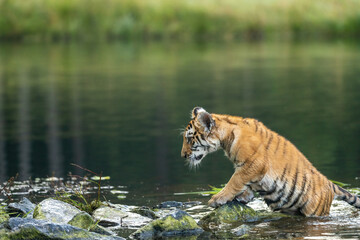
54	219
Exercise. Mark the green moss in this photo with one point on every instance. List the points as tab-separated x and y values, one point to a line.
4	234
3	216
179	223
82	220
235	212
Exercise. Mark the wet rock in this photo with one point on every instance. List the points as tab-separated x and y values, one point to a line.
241	231
231	212
170	204
82	220
24	207
25	228
174	204
236	212
55	211
85	221
146	212
119	218
179	223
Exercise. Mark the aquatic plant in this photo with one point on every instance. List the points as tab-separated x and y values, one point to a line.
5	188
78	194
177	19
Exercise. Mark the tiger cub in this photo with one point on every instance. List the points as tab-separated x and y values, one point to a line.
264	161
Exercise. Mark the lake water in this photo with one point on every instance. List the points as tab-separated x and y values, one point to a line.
118	108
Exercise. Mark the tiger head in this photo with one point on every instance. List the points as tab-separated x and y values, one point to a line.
199	138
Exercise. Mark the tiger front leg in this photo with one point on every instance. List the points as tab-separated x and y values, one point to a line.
233	188
246	196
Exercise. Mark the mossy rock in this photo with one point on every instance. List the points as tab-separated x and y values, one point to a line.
55	211
146	212
236	212
82	220
3	216
178	223
23	228
231	212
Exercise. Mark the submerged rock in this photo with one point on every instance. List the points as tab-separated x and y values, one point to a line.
24	228
146	212
175	204
236	213
119	218
24	207
231	212
241	231
179	223
55	211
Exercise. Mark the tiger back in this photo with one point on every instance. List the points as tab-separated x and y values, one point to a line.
264	162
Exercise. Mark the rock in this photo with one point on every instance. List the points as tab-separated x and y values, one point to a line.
146	212
82	220
179	223
236	212
241	231
170	204
55	211
24	207
25	228
174	204
230	212
85	221
119	218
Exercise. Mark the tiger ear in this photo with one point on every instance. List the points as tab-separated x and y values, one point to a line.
206	121
196	111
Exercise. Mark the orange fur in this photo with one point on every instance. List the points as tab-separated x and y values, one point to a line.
264	161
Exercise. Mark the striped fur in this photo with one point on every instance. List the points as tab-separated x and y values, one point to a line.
264	161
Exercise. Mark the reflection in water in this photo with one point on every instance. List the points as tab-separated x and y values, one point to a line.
76	125
24	126
54	143
3	172
116	107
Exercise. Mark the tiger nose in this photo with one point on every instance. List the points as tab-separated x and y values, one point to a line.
184	154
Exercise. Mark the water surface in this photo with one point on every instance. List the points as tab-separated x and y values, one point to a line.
118	108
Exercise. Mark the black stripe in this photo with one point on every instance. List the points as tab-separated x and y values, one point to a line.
285	145
229	121
343	191
268	144
292	191
256	125
198	139
283	174
319	204
278	143
333	186
272	189
281	194
296	200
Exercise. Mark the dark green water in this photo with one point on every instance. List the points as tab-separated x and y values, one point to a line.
118	108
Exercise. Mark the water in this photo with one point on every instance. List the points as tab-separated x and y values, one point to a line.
118	108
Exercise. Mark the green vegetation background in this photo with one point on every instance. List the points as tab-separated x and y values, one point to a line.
178	19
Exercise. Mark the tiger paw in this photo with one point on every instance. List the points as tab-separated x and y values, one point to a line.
220	199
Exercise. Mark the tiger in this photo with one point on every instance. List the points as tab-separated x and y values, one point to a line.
264	162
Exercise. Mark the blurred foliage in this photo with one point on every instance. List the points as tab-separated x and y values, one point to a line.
177	19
